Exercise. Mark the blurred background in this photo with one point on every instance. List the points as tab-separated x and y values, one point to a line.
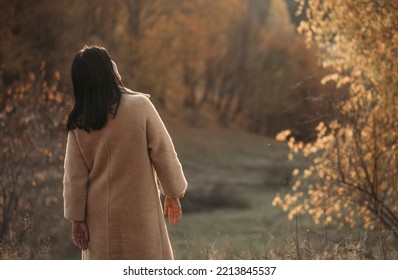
226	76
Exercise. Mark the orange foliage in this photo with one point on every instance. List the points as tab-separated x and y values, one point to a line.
32	132
354	170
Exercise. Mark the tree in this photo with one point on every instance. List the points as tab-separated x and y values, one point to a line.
269	79
354	160
32	121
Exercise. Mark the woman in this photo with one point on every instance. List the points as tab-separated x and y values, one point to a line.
117	149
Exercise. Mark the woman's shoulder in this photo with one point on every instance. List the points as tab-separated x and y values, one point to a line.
138	99
130	94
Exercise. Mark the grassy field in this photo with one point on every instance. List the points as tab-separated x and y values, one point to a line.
243	167
233	176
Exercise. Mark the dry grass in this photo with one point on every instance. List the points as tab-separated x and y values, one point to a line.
347	248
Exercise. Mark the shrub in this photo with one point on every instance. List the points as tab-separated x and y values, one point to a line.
354	160
31	120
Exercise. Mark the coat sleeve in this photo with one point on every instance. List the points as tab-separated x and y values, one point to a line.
163	155
75	181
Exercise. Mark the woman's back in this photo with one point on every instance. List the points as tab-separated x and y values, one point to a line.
122	208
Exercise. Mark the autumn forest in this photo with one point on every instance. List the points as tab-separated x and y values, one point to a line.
283	112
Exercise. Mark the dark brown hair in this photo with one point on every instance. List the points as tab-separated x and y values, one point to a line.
96	89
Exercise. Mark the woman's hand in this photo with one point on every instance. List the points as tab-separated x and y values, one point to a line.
172	208
80	234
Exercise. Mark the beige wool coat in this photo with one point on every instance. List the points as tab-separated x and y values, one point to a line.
110	181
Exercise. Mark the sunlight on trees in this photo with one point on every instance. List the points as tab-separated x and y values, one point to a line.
354	169
238	61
